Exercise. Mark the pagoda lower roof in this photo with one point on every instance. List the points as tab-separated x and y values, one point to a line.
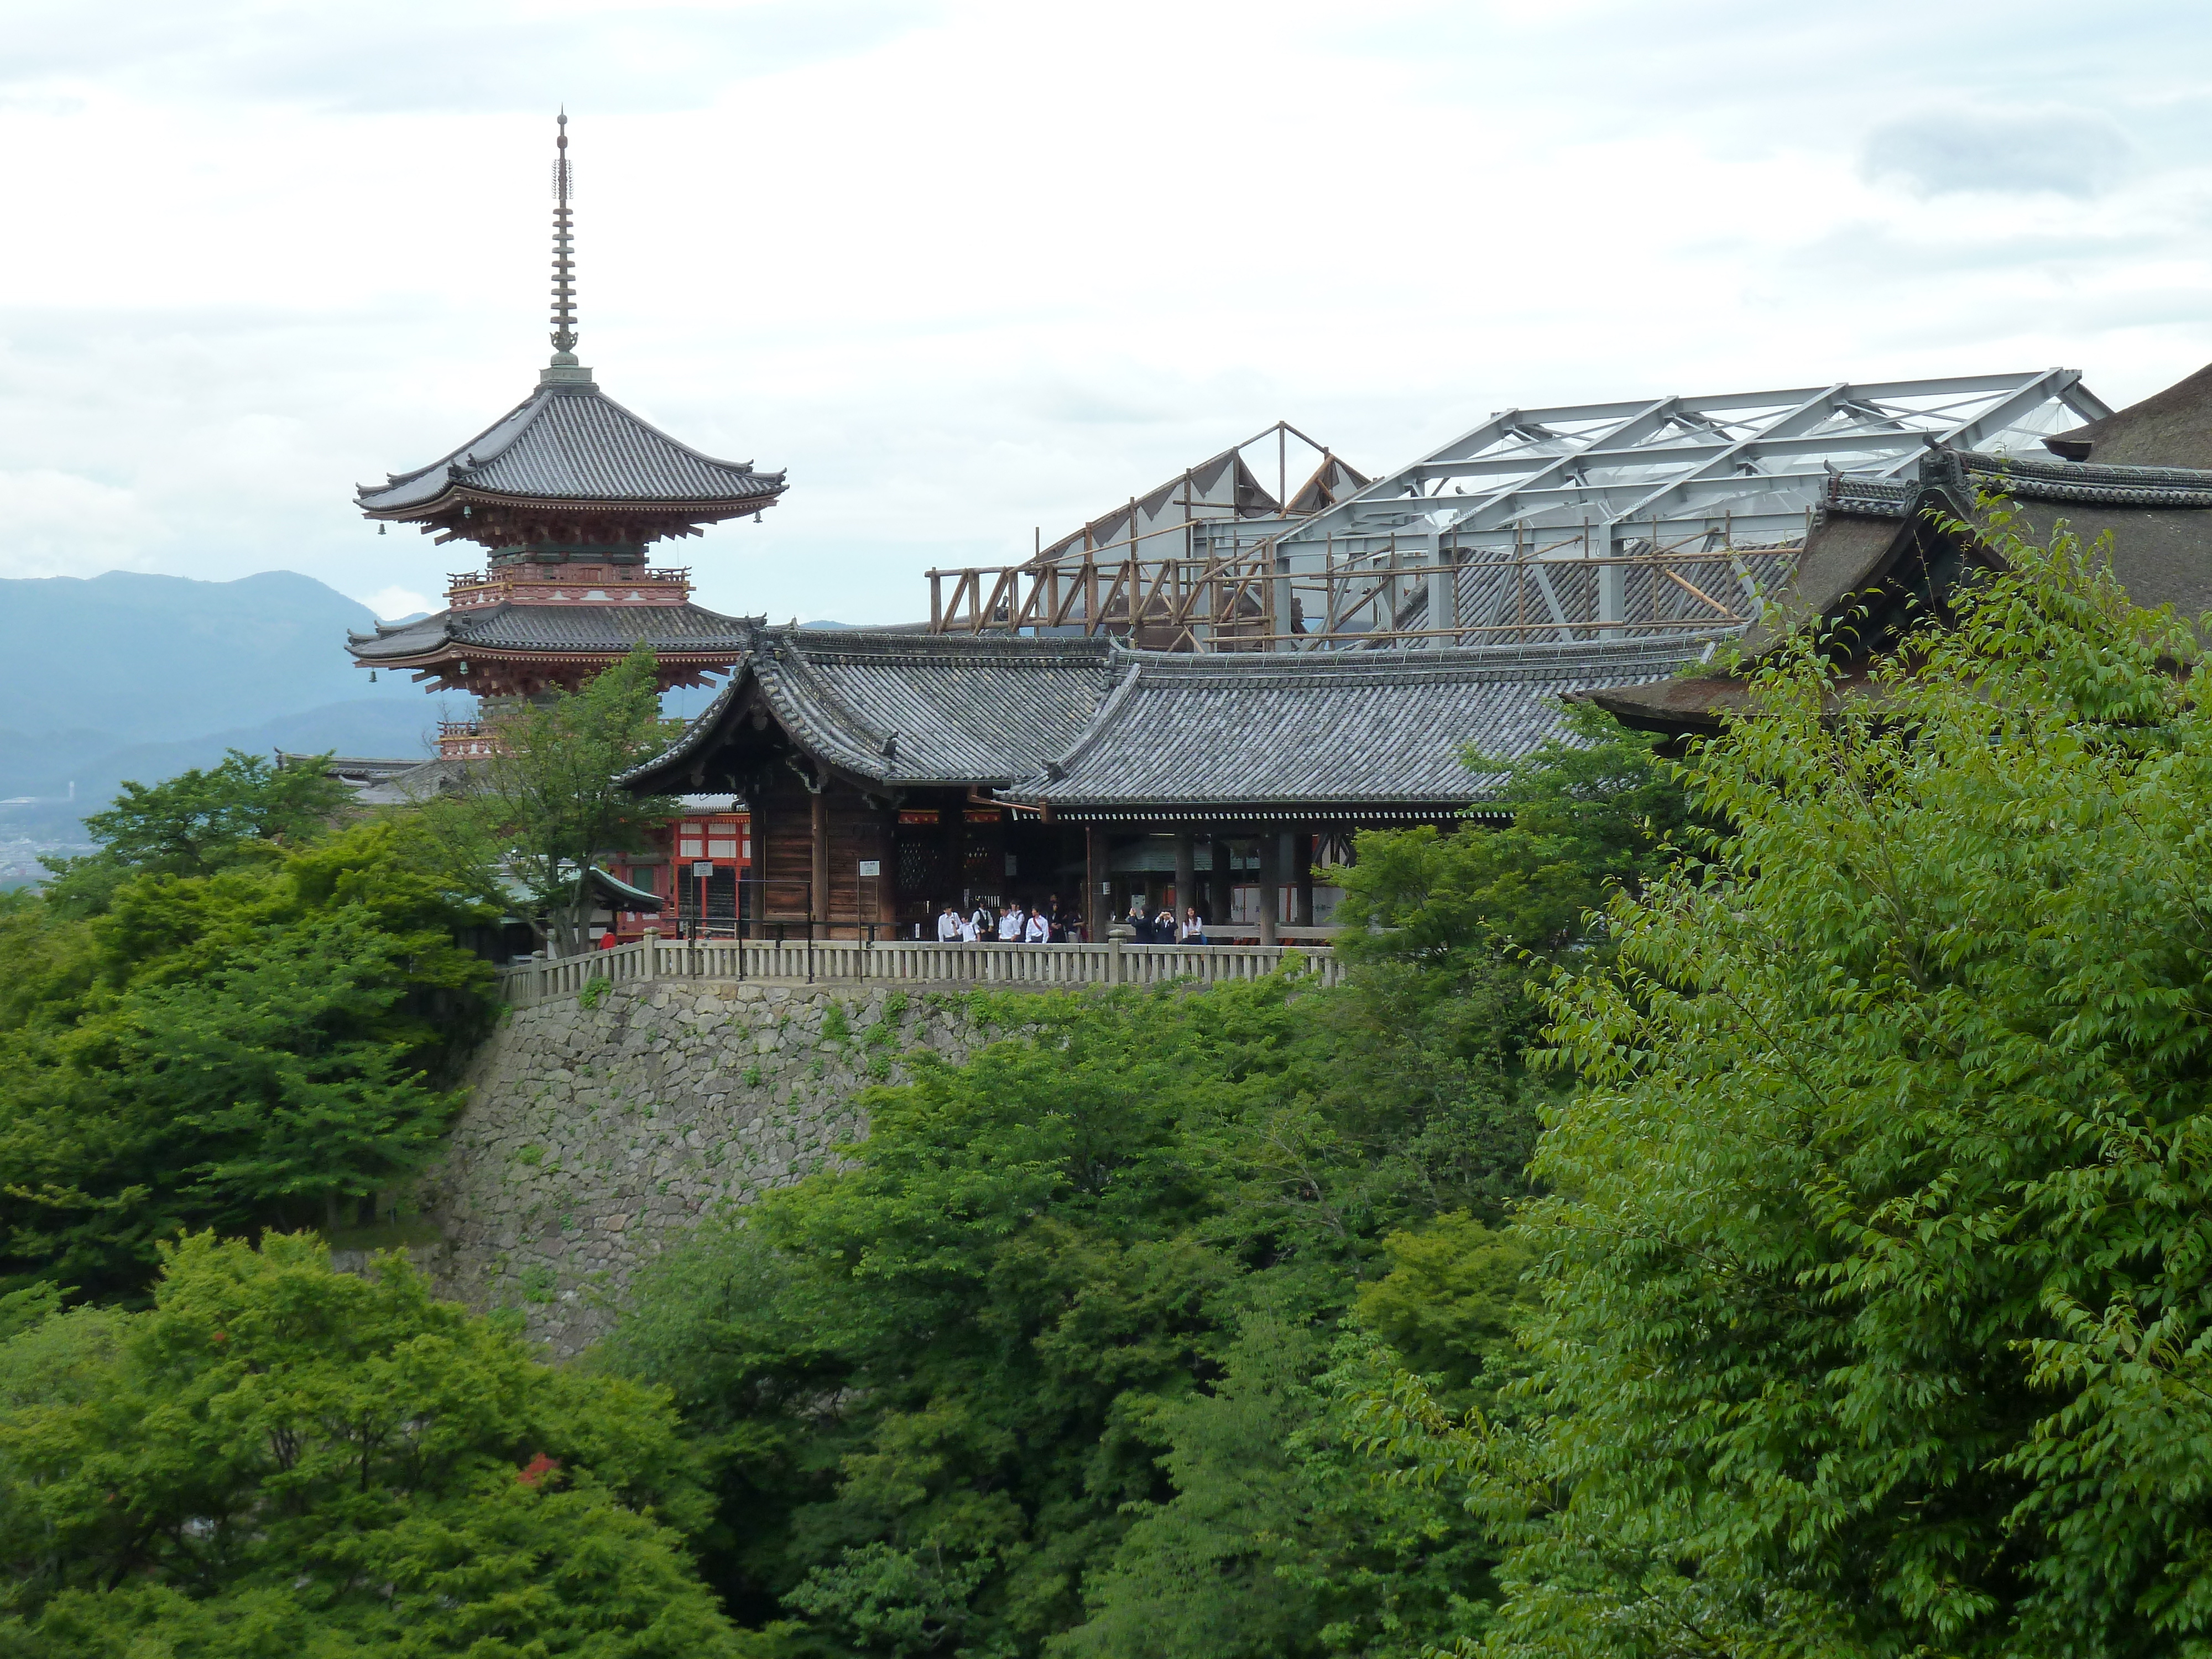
672	630
569	443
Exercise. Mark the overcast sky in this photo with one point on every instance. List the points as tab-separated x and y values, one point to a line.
966	268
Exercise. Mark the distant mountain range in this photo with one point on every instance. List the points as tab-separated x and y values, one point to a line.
138	676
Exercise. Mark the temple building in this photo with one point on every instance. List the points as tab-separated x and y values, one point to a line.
566	495
891	773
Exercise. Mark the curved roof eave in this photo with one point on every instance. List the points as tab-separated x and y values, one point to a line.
593	439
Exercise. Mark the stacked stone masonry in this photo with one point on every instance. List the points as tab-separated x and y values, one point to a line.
594	1133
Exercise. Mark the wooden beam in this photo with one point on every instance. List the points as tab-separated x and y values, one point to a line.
1096	865
818	895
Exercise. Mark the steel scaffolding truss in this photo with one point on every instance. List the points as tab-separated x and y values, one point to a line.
1751	461
1663	515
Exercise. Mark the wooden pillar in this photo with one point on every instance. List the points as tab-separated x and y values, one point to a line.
889	898
1186	872
1095	865
818	898
953	826
1217	883
1301	850
1271	885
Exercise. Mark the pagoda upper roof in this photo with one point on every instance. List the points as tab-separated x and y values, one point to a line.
569	442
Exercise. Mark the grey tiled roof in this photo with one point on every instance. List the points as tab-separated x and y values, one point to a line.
557	627
1087	725
570	443
1345	728
917	709
2187	489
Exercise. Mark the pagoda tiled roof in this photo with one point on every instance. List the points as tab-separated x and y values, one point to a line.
569	442
558	628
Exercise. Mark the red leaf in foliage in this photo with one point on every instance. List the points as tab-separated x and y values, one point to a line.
537	1468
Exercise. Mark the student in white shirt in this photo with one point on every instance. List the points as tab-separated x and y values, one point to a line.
1039	930
1010	925
981	917
969	932
948	926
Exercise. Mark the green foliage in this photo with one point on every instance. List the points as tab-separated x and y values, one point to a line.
1450	1305
1054	1353
195	824
595	991
279	1459
541	809
1877	1308
236	1049
1592	809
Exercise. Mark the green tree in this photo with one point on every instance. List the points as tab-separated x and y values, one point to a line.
197	823
1054	1310
234	1049
1876	1307
1281	1539
277	1458
545	806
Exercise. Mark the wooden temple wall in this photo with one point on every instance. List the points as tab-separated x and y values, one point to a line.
810	851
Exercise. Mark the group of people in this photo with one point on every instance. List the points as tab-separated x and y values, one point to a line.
1048	924
1165	928
1042	924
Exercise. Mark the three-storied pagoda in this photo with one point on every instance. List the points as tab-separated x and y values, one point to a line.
566	494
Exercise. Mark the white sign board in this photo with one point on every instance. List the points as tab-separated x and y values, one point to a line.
872	866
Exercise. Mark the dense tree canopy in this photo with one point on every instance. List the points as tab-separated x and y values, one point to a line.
275	1458
247	1044
195	824
1876	1300
1058	1354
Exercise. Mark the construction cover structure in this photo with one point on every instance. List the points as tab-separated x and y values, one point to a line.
1649	517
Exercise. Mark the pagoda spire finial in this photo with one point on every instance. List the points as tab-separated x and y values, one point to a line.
564	263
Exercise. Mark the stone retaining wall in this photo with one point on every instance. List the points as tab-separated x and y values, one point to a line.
592	1134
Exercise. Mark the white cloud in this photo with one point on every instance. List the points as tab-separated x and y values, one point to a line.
391	603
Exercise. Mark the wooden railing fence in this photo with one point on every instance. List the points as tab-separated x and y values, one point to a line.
845	961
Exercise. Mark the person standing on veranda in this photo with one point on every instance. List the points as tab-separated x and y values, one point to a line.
1194	926
1038	929
1010	925
948	926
